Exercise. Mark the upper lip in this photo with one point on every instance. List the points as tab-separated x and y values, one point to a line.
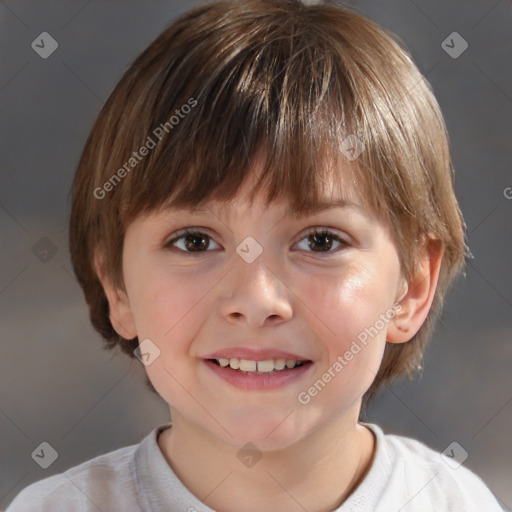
254	354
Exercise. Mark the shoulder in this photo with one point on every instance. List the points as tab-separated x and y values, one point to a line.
423	477
92	485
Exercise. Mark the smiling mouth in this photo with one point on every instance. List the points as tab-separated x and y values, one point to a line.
267	367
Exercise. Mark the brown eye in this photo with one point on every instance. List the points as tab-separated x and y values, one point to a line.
322	241
191	242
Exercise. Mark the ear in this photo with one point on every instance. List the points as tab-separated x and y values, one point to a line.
417	295
120	311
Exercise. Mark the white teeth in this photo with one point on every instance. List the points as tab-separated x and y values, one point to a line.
247	366
279	364
267	366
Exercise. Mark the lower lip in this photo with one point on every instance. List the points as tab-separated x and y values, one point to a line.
258	381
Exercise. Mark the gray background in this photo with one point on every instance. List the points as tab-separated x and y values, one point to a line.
57	383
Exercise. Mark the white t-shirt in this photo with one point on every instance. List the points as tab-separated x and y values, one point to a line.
405	476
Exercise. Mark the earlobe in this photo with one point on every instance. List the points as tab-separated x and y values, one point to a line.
120	311
418	296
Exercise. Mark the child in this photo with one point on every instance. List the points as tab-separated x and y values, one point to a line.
264	215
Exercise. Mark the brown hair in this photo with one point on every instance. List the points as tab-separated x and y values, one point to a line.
231	77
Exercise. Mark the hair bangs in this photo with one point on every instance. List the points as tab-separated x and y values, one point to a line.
285	100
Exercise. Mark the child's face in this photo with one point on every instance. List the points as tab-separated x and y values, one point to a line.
292	298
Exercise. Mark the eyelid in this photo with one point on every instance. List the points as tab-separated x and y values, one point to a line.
187	230
321	229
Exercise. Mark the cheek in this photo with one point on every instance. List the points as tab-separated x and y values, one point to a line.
169	308
171	305
346	302
348	309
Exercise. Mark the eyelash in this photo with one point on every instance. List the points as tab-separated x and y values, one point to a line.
312	232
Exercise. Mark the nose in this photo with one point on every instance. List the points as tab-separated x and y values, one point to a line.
253	293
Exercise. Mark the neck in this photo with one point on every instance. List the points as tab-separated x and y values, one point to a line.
318	472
